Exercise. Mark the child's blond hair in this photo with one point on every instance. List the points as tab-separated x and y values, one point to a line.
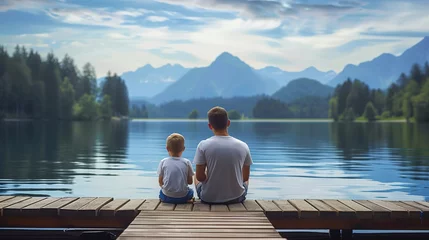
175	143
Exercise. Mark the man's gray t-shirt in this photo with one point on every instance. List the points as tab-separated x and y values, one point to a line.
175	172
224	157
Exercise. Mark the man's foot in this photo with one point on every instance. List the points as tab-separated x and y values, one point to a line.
191	200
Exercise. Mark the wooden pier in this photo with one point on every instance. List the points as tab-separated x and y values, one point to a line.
253	218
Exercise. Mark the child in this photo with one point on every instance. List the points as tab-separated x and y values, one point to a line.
175	173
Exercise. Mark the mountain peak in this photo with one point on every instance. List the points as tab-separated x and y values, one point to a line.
228	59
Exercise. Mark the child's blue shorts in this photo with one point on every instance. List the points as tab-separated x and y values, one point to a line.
185	199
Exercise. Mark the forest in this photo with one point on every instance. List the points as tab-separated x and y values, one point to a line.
407	98
36	88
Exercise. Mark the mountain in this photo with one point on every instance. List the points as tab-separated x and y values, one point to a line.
386	68
302	87
148	81
226	77
284	77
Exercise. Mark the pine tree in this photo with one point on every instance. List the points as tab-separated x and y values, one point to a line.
89	80
416	74
333	109
370	112
34	62
51	75
67	99
70	71
106	107
38	99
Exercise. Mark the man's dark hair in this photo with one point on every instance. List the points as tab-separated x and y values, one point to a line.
218	118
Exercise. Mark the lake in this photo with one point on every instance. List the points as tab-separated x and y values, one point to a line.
291	159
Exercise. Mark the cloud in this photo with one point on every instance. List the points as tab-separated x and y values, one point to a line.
36	35
157	19
114	35
268	8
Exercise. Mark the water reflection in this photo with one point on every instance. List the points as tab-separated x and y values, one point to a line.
292	159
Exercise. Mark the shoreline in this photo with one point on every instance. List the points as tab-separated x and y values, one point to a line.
303	120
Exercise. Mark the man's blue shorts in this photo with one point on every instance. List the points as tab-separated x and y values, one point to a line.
185	199
237	200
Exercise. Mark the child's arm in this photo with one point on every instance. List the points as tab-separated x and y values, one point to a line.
160	174
161	181
190	173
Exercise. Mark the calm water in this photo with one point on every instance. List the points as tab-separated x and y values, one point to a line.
292	159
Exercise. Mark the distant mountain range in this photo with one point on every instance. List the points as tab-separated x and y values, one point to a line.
302	87
227	77
284	77
147	81
386	68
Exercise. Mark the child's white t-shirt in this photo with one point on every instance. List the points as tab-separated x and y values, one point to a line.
175	172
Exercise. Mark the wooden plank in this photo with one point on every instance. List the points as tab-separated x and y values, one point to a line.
270	208
16	208
201	230
72	208
252	206
110	208
343	210
395	210
92	208
304	208
130	209
11	201
165	207
413	212
52	209
236	207
4	198
149	205
361	211
201	207
143	221
288	210
324	209
219	208
218	226
424	211
426	204
184	207
34	209
125	235
377	211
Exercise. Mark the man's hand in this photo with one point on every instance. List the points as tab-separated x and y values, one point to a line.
161	181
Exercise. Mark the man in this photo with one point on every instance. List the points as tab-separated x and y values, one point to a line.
222	163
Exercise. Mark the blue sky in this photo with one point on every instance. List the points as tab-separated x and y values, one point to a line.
122	35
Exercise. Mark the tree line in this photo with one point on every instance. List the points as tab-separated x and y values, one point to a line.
32	87
407	98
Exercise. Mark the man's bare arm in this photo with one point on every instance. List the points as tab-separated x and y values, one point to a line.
246	173
161	181
200	173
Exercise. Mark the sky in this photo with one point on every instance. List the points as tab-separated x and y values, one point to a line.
122	35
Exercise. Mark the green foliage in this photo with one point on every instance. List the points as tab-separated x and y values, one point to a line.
234	115
310	107
85	108
333	108
271	108
116	88
386	115
89	80
67	99
52	80
193	114
139	111
416	74
348	115
370	112
38	99
421	104
70	71
106	107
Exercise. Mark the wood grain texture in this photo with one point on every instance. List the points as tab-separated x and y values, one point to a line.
343	210
72	208
377	211
305	209
52	209
396	211
361	211
15	209
184	207
236	207
252	206
130	209
110	208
